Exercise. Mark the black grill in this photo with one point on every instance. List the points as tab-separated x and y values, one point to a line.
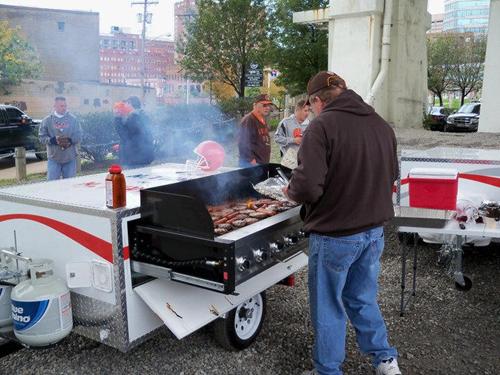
175	238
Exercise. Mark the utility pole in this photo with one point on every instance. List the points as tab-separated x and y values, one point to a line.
186	16
146	18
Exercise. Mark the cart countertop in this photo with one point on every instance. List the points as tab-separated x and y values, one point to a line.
89	191
455	154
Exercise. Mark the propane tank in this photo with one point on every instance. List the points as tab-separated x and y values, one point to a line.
5	309
41	306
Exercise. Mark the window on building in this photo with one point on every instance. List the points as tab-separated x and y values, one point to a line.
86	101
123	44
97	102
131	44
60	25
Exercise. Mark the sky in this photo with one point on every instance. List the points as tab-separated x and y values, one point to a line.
121	13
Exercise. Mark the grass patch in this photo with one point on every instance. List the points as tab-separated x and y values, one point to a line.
35	177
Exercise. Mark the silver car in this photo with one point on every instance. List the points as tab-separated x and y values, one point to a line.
467	118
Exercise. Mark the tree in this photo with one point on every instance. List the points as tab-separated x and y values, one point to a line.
223	39
18	59
466	72
298	51
439	57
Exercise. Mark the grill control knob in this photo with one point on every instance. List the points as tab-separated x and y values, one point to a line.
276	247
290	240
301	233
242	264
259	255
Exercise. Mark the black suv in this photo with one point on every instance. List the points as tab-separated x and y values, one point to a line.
467	118
18	130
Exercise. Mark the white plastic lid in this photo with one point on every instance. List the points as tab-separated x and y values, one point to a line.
438	173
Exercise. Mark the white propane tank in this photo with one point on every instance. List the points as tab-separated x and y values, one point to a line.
41	306
5	309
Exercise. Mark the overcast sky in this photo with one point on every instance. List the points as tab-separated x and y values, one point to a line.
121	13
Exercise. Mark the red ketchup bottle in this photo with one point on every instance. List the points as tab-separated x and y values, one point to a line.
116	196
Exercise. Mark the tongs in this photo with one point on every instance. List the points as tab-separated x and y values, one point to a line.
282	177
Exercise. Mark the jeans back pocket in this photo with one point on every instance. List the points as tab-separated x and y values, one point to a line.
339	254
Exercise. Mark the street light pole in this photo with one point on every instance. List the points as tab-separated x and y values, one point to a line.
143	42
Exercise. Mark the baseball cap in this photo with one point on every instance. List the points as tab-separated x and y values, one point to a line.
323	80
262	98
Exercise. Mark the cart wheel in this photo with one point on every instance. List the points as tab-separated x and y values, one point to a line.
242	325
466	287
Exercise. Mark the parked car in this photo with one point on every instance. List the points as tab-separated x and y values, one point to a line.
17	129
437	117
467	118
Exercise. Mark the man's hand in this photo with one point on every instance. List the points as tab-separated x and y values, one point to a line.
297	140
63	141
285	191
253	162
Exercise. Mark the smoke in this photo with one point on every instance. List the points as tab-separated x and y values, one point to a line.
178	129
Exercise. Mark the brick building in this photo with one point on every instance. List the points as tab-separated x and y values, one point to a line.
120	58
184	10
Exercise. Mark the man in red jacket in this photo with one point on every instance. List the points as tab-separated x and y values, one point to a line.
254	143
347	164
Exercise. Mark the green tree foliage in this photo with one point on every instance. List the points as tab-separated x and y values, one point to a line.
298	51
439	53
18	59
223	39
466	72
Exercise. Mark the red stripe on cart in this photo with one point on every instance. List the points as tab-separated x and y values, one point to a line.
126	253
488	180
91	242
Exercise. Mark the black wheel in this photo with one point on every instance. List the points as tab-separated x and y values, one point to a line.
466	287
242	325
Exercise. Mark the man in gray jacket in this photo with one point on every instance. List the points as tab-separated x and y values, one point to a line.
291	129
61	133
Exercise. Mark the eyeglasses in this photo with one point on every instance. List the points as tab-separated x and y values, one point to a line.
266	105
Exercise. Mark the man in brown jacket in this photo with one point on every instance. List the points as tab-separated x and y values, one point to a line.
347	164
254	143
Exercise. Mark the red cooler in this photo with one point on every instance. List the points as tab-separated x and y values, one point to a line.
433	188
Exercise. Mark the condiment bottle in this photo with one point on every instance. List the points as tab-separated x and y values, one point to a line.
116	196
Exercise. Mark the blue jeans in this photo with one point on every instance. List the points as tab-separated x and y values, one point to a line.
343	273
55	170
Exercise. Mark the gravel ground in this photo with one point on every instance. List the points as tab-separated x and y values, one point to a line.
444	331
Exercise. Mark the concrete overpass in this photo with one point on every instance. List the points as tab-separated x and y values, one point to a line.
379	47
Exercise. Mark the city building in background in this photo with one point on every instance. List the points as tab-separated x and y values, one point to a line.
120	57
184	11
65	40
466	16
437	23
67	43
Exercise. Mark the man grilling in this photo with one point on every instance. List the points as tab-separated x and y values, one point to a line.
254	143
347	164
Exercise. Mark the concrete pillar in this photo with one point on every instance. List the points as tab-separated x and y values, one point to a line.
490	110
355	53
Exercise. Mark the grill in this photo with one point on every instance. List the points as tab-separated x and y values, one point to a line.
175	237
462	121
